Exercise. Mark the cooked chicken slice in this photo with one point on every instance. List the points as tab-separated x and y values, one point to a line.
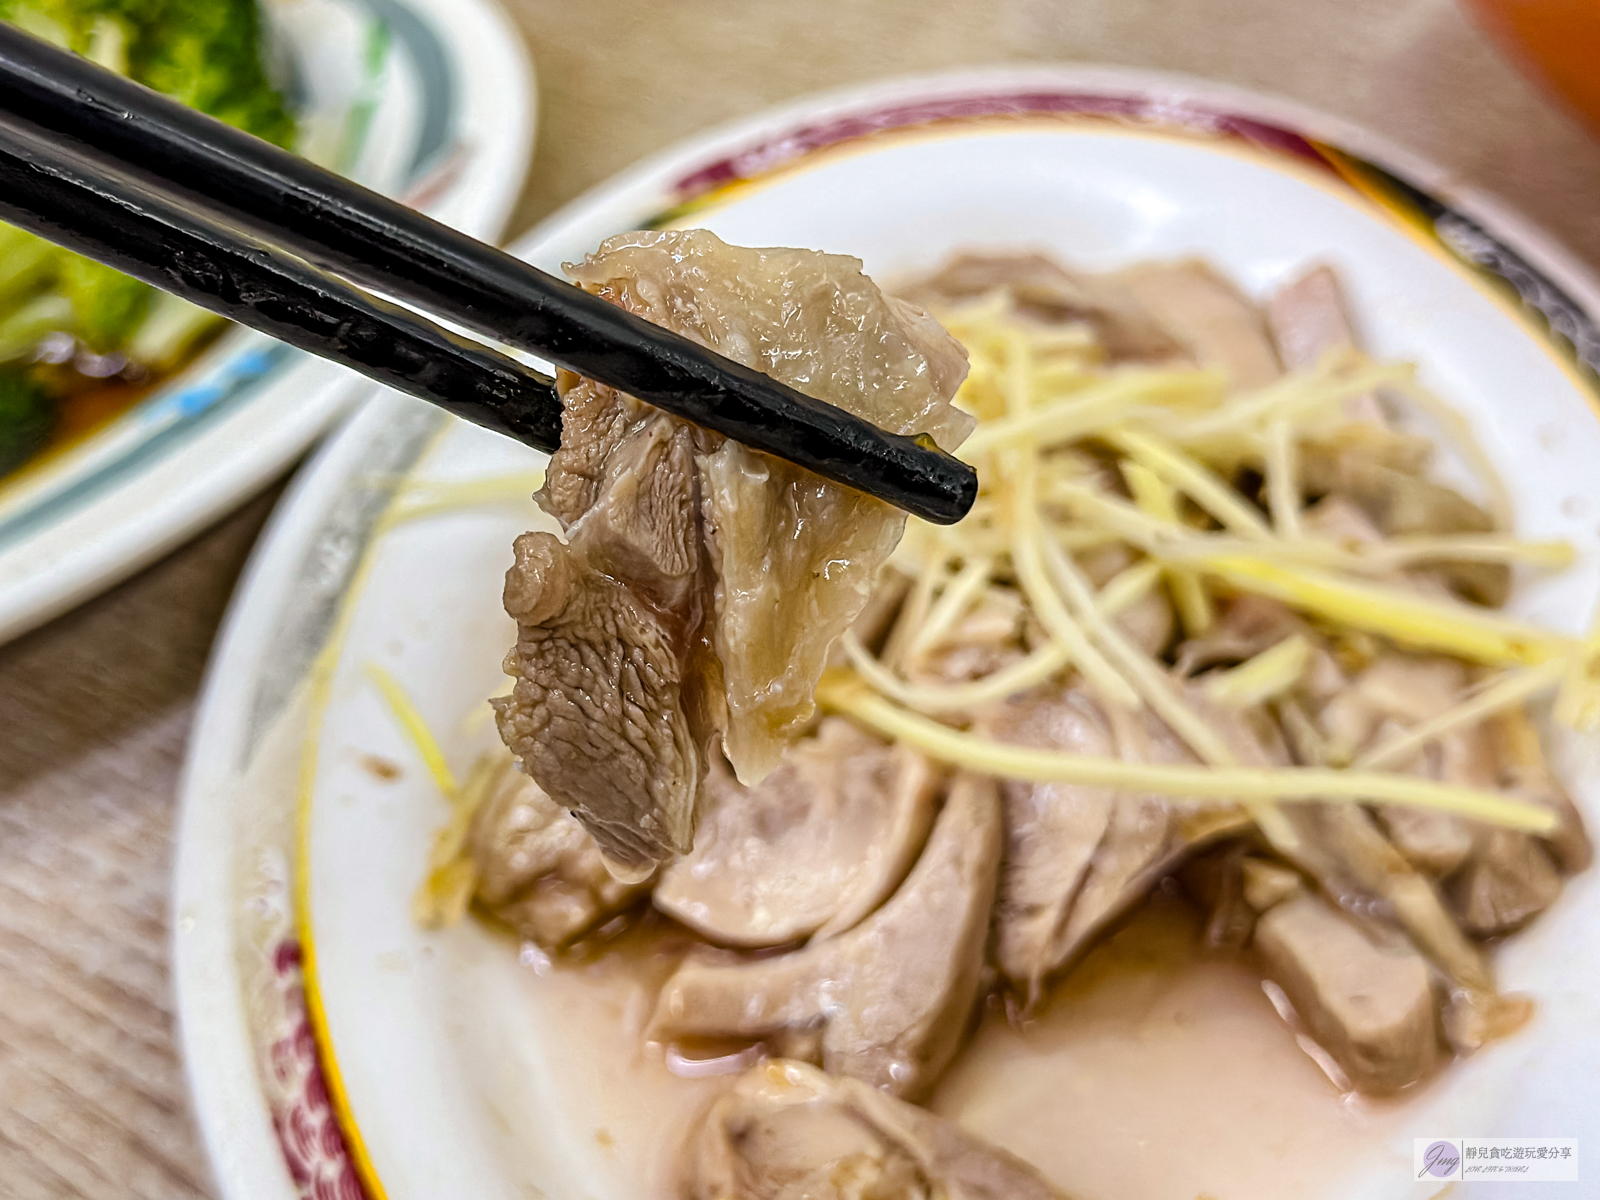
1402	503
1245	626
539	871
1149	621
1510	877
980	643
1052	832
1432	841
1146	837
1507	882
1046	290
1367	1001
1341	847
1206	315
1215	881
1101	564
1144	840
1501	878
967	1167
1340	519
1308	319
1329	458
1265	883
786	1131
783	1133
1528	775
701	584
1401	690
1079	858
894	994
1383	473
597	714
813	848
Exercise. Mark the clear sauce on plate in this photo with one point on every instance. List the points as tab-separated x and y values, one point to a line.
1155	1071
1159	1072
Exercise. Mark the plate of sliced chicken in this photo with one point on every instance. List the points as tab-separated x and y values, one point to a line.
1207	813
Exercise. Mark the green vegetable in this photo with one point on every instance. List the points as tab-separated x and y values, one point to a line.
27	264
206	53
209	54
108	304
25	326
27	415
166	335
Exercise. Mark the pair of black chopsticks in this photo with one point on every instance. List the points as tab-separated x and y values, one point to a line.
119	173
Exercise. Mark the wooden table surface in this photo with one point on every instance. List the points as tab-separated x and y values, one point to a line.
95	708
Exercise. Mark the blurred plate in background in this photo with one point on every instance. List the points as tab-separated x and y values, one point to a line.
429	100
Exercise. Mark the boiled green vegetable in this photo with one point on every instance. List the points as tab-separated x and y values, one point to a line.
210	54
27	414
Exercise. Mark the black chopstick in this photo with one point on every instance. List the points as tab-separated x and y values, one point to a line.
48	189
378	243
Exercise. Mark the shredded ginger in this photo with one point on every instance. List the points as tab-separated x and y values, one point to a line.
1075	456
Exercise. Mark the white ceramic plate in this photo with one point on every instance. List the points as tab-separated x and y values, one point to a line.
432	100
420	1065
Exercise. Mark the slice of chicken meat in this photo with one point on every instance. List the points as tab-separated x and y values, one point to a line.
1149	621
701	584
1397	687
539	871
1383	473
1529	775
1510	877
1079	858
1146	838
1338	518
1341	847
1394	693
1363	992
893	996
810	850
1437	842
786	1131
1208	316
1309	319
1052	833
1049	292
1508	881
1496	879
1245	626
1380	467
1399	691
1215	881
987	639
1366	999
